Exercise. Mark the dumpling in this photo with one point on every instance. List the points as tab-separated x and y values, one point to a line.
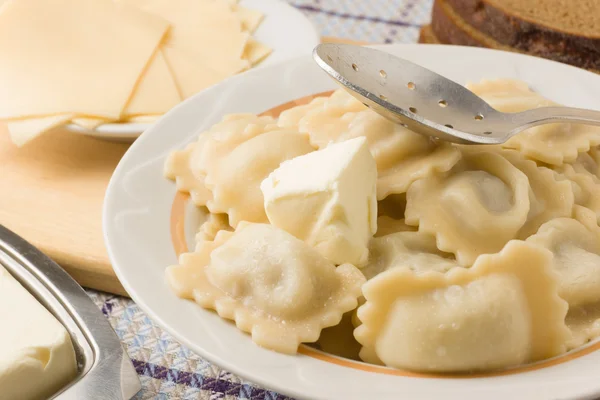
324	120
213	224
291	117
588	162
414	250
179	167
189	167
388	225
235	177
475	209
575	243
270	283
585	187
550	196
502	312
553	144
584	323
327	198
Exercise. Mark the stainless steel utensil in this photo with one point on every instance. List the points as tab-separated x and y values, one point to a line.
428	103
104	369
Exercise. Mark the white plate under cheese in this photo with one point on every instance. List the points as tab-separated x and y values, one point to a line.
37	358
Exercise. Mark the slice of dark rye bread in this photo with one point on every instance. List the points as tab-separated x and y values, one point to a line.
426	35
563	30
449	27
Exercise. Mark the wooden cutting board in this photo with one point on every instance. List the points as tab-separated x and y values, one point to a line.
51	193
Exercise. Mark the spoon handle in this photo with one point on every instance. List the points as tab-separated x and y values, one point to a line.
547	115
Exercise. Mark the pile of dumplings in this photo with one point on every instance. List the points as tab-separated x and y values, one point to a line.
479	257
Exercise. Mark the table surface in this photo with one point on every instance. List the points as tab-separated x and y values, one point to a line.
171	371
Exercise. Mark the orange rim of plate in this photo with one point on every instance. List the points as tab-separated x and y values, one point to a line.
177	228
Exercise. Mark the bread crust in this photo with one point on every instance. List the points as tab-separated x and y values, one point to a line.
449	27
527	35
427	36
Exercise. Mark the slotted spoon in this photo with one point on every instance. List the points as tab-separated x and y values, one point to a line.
428	103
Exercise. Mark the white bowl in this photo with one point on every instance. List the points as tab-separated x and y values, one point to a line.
284	29
139	228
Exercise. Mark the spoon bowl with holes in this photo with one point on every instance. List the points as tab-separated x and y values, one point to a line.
429	103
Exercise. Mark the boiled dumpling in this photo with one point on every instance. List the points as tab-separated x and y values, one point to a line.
588	162
272	284
190	166
414	250
503	311
575	243
324	119
235	177
213	224
553	144
475	209
585	187
179	167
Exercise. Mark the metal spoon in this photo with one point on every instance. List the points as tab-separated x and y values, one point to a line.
428	103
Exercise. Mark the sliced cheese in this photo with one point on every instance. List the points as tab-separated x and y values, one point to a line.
156	93
89	123
328	199
25	130
73	56
250	19
37	358
209	29
255	51
143	119
192	74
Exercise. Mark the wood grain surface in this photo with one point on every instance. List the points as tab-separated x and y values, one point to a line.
51	193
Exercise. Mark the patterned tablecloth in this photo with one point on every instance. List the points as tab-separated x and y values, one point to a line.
171	371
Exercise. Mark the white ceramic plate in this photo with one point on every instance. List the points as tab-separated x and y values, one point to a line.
284	29
138	223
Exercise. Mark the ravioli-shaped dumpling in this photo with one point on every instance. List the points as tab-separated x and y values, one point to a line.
291	117
550	196
503	311
270	283
553	144
213	224
179	167
414	250
575	243
189	167
388	225
235	178
588	162
324	120
585	187
476	208
226	135
584	323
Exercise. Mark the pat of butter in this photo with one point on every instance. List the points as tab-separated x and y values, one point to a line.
328	199
37	358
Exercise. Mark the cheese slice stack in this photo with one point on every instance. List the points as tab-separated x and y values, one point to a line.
91	62
37	358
